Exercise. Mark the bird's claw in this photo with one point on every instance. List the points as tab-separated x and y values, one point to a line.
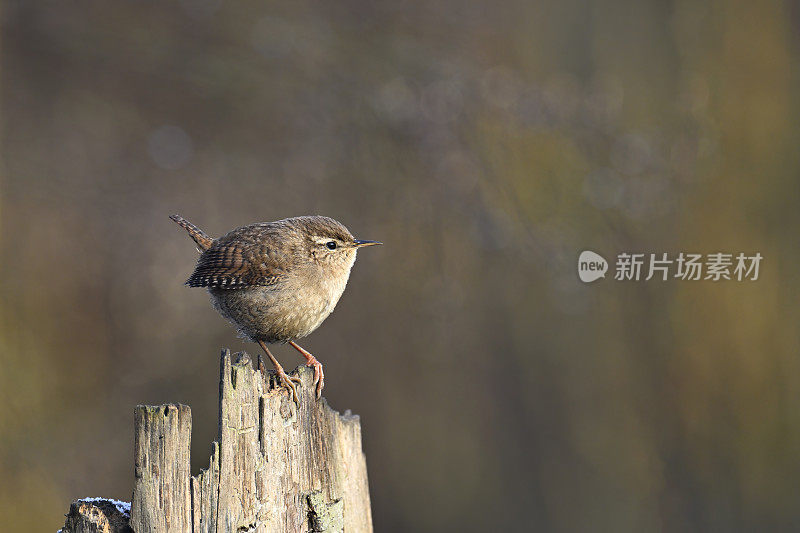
319	376
285	379
289	382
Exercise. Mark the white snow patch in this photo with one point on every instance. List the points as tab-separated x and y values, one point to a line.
122	507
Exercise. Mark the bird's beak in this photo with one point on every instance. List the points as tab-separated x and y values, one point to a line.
360	244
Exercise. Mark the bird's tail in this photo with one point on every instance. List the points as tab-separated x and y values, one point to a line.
202	240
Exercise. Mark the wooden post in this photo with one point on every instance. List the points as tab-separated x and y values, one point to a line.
162	455
276	467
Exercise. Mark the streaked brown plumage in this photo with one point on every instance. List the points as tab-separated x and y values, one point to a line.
276	281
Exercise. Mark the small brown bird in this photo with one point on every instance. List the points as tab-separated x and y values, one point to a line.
277	281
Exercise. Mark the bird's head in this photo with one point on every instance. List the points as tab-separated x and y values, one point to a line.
329	243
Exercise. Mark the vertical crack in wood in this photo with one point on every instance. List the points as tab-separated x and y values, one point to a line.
261	425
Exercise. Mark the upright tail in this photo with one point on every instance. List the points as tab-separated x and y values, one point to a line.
202	240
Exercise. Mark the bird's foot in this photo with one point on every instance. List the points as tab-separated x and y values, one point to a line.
319	375
289	382
285	379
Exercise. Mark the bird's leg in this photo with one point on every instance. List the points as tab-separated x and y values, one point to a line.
286	380
319	375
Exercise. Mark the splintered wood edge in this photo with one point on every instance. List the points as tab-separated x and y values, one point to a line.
273	386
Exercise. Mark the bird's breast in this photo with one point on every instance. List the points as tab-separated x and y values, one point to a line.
288	310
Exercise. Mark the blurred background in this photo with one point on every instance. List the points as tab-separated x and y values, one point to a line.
486	144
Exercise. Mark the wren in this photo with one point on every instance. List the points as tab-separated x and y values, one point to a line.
277	281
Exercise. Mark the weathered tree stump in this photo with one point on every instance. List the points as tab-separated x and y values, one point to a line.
98	515
276	467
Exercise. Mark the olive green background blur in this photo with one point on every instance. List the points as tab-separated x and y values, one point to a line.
486	144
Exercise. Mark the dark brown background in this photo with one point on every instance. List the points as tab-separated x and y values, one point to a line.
486	145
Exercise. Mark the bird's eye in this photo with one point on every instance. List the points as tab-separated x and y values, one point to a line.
331	245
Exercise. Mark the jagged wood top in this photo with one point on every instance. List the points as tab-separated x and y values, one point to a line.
276	467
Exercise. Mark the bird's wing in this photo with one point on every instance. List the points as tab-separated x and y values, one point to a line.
234	265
